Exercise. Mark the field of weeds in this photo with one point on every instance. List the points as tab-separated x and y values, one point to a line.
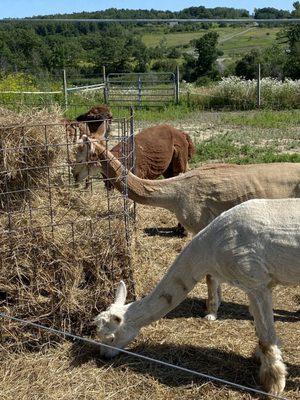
222	348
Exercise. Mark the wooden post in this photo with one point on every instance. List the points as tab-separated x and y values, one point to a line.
65	88
105	85
258	102
177	85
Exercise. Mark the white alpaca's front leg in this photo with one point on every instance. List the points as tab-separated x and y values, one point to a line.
272	371
213	298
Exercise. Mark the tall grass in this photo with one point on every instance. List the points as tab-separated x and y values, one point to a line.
238	94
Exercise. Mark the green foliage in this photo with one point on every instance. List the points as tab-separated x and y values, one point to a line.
292	35
247	66
273	62
270	13
164	65
207	53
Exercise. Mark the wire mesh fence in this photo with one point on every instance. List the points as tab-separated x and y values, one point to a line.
63	245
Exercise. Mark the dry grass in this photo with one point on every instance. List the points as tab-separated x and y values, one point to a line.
222	348
61	248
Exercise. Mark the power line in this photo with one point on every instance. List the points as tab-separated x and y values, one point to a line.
149	20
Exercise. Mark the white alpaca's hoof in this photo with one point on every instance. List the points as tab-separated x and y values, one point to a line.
272	371
210	317
273	383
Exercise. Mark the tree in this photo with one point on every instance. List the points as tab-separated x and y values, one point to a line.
293	63
207	54
272	60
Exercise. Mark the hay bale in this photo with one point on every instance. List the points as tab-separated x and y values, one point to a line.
30	144
62	251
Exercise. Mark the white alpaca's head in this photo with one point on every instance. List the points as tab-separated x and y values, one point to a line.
86	163
113	326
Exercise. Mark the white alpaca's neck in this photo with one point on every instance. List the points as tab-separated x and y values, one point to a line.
188	268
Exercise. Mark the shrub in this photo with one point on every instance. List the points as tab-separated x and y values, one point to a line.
239	94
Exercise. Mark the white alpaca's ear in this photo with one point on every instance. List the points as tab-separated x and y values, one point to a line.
85	138
96	320
121	294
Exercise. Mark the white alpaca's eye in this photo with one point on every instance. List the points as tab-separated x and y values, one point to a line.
116	319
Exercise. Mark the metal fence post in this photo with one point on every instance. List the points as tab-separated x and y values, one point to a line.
132	149
105	86
65	88
139	92
177	85
258	102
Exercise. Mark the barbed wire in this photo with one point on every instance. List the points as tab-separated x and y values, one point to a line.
137	355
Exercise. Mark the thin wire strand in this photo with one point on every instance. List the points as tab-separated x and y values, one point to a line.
153	360
149	20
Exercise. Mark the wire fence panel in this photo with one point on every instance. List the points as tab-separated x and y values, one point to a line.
140	89
63	246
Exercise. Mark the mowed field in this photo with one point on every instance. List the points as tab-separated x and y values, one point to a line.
234	41
222	348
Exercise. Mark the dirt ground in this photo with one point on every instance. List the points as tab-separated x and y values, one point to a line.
222	348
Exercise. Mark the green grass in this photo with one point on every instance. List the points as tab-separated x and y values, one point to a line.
263	119
257	38
224	148
232	46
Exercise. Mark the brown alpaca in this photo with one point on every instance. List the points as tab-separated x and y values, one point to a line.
95	123
96	117
159	150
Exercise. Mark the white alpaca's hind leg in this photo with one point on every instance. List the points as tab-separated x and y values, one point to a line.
213	298
272	371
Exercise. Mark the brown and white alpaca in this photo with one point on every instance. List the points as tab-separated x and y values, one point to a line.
254	246
200	195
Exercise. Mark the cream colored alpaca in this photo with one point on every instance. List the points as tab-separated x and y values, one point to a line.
254	246
198	196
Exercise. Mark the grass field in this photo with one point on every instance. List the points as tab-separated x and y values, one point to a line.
222	348
233	41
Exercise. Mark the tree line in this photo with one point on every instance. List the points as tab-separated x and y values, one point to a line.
84	47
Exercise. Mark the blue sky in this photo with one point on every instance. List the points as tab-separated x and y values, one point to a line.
27	8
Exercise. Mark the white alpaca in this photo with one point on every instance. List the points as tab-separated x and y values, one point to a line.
254	246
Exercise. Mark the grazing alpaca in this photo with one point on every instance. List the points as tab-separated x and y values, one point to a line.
254	246
200	195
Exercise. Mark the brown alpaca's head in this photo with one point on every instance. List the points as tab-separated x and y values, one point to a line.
96	117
